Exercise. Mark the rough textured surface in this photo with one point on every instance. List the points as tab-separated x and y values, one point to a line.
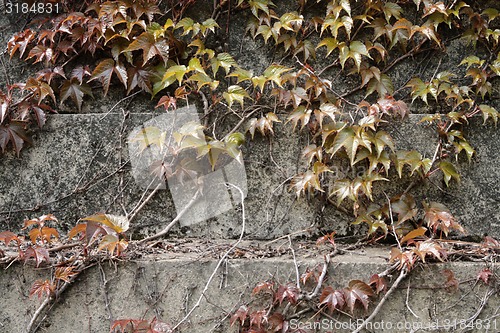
168	286
79	167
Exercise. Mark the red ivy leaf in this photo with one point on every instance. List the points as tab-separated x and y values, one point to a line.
240	314
357	291
15	134
8	236
263	286
288	292
167	102
139	77
484	275
105	70
332	299
451	282
38	253
150	47
39	288
380	283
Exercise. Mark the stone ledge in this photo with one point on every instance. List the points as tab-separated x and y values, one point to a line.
166	286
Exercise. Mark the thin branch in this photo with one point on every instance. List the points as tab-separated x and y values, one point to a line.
219	263
135	211
297	274
174	221
321	279
401	276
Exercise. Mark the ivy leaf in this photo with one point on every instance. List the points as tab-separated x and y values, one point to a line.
331	44
240	315
41	52
274	73
429	247
41	288
300	114
112	243
288	292
76	90
150	47
438	217
333	299
419	232
40	89
488	112
380	283
65	273
350	138
354	51
9	236
391	9
421	89
139	77
358	291
105	70
381	140
235	93
413	159
405	207
117	223
449	171
15	134
224	60
38	253
383	86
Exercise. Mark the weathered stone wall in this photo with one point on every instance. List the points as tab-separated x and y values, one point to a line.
78	166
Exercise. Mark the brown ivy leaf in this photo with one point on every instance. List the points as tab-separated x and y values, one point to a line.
484	275
45	234
333	299
105	70
9	236
41	288
139	77
429	248
357	291
240	315
76	90
40	89
112	243
38	253
150	46
167	102
65	273
405	258
288	292
438	217
263	287
80	72
20	42
380	283
277	323
451	283
258	318
41	52
410	237
117	223
405	206
15	134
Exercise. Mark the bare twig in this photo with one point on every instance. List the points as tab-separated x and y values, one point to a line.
219	263
174	221
135	211
297	274
407	302
321	279
401	276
